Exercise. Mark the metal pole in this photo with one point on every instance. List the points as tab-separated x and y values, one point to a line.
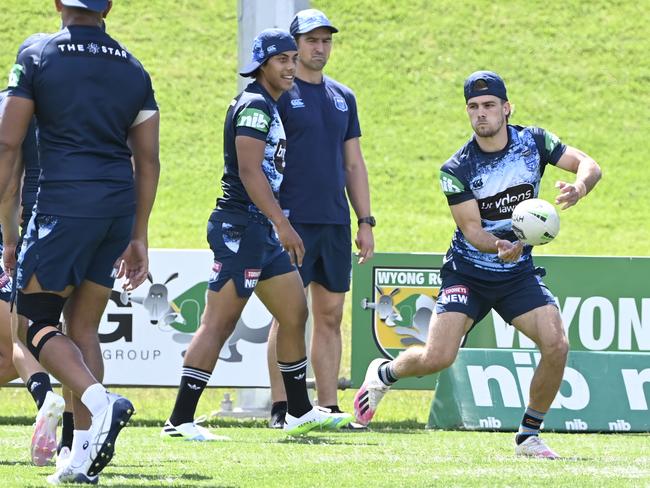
254	16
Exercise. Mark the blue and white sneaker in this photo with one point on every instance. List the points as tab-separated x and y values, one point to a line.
63	457
189	431
72	474
104	430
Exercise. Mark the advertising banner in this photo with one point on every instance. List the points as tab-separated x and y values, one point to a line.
144	334
604	303
487	389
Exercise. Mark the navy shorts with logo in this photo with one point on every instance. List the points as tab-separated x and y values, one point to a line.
328	255
64	251
246	253
475	298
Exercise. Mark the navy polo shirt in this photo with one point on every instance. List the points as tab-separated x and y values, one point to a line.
318	119
87	90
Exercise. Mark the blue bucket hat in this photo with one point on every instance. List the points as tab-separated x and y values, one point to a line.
94	5
308	20
268	43
494	85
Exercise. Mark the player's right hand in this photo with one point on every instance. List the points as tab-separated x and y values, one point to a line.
9	258
507	251
291	242
133	265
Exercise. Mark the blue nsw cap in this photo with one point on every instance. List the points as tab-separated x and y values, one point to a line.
308	20
94	5
493	85
33	39
268	43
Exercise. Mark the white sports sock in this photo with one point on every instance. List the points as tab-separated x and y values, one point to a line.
80	447
95	398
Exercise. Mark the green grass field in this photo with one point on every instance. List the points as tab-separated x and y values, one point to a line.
399	451
406	458
578	68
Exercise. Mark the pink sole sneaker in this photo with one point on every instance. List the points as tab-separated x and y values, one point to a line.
44	438
370	394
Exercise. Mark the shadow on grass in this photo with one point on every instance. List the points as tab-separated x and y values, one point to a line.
400	425
22	420
15	463
315	439
178	479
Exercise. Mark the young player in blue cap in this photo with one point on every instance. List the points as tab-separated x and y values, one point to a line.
325	167
486	267
255	247
98	122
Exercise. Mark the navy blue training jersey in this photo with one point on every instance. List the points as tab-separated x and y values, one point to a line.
498	182
318	119
87	91
253	113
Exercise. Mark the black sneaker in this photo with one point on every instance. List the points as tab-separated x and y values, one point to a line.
277	420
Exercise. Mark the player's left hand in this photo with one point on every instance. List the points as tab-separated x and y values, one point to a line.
133	265
508	251
365	242
570	193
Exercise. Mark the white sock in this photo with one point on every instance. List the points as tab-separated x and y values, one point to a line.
95	398
79	453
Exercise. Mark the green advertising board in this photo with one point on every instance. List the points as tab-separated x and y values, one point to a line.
604	302
487	389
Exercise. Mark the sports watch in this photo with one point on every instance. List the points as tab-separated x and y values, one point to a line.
367	220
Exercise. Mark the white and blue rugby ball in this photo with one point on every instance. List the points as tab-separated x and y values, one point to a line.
535	222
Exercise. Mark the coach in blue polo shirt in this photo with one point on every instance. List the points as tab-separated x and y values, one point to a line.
325	167
90	96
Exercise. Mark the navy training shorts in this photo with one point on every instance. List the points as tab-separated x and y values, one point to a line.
246	253
475	298
328	255
64	251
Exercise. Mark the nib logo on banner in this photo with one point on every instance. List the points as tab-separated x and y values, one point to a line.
576	424
619	426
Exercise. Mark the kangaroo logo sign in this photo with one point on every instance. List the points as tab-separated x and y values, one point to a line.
402	305
144	334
